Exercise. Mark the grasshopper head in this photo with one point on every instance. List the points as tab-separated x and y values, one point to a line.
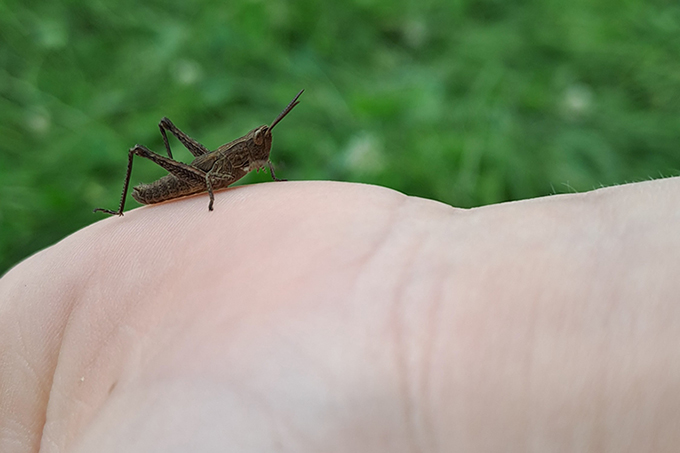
262	136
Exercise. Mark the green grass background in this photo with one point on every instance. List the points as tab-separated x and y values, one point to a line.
468	102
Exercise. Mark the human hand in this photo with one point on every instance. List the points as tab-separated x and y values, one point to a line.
315	316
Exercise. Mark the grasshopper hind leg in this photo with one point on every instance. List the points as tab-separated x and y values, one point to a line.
181	171
189	143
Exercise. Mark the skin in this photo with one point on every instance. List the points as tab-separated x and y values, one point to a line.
316	316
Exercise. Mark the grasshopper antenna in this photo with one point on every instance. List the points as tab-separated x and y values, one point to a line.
285	112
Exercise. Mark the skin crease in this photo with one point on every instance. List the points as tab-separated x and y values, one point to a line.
318	316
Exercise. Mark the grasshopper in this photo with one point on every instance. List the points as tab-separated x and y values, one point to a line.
209	171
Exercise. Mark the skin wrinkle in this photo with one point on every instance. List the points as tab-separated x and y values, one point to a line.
530	366
10	397
77	403
104	343
285	429
415	420
47	443
326	371
46	437
416	424
370	257
22	431
389	227
439	273
280	422
23	356
282	427
433	333
402	365
78	303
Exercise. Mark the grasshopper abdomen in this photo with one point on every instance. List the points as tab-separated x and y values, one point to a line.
166	188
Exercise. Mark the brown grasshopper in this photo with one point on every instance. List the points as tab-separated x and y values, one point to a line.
210	170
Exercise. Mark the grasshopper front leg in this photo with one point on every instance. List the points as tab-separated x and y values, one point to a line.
271	171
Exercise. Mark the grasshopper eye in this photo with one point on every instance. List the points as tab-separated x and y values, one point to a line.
258	137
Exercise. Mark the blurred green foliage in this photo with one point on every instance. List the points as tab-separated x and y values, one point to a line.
465	101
